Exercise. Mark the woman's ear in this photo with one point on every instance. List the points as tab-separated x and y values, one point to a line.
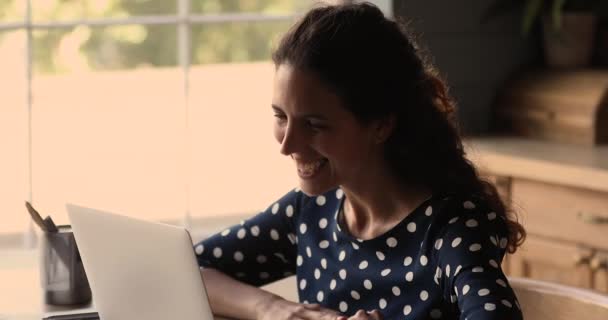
384	128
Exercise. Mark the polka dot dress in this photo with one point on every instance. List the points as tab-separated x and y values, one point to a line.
441	262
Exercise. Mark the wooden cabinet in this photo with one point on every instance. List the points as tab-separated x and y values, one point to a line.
567	230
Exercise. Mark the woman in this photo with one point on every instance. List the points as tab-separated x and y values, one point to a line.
390	220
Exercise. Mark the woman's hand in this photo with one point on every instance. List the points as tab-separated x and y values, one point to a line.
362	315
277	308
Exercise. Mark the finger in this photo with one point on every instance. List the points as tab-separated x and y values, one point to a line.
359	315
375	314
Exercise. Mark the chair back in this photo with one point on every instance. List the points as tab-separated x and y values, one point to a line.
541	300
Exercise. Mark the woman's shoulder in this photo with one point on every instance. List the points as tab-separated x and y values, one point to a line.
469	211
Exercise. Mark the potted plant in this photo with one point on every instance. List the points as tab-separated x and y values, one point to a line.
568	27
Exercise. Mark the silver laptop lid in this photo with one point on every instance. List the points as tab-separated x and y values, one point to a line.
139	269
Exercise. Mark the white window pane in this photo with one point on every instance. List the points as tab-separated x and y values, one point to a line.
108	123
13	132
61	10
236	164
236	41
12	10
258	6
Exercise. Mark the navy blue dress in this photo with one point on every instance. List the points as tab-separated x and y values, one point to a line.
443	261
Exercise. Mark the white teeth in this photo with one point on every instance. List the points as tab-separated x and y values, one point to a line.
310	167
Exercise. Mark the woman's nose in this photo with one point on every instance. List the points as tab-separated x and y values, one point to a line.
291	141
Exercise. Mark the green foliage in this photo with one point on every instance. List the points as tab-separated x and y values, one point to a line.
127	47
532	10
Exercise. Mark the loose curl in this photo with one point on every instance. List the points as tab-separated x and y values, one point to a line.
376	67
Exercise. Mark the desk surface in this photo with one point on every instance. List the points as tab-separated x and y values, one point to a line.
21	297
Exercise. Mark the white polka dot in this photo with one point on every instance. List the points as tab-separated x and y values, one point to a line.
477	269
335	236
438	243
292	238
343	306
385	272
407	261
465	289
428	211
289	211
342	274
380	255
217	252
355	295
407	310
308	252
471	223
302	284
363	265
324	244
468	205
506	303
342	255
493	263
489	306
320	200
409	276
367	284
391	242
453	220
303	228
281	256
501	282
396	291
493	240
491	215
241	233
299	260
435	314
264	275
423	260
320	296
483	292
424	295
382	303
199	249
275	208
323	223
447	270
225	232
238	256
503	242
411	227
355	246
456	242
255	231
317	274
475	247
453	299
457	270
332	284
274	234
339	193
324	263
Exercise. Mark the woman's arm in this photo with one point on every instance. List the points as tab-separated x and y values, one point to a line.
231	298
234	299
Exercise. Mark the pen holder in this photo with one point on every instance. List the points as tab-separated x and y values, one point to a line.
63	278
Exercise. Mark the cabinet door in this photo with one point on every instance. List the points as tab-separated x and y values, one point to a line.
548	260
599	266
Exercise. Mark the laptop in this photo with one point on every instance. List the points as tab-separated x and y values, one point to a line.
139	269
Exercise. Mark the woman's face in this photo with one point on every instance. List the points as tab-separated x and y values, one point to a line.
329	146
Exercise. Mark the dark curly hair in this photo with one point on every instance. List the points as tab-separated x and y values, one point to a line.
374	65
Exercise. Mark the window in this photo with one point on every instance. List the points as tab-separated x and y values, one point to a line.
157	109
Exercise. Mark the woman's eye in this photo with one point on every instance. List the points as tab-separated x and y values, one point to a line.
280	117
315	125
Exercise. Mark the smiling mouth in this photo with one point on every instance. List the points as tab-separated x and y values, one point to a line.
309	169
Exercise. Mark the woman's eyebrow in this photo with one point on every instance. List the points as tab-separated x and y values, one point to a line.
307	115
